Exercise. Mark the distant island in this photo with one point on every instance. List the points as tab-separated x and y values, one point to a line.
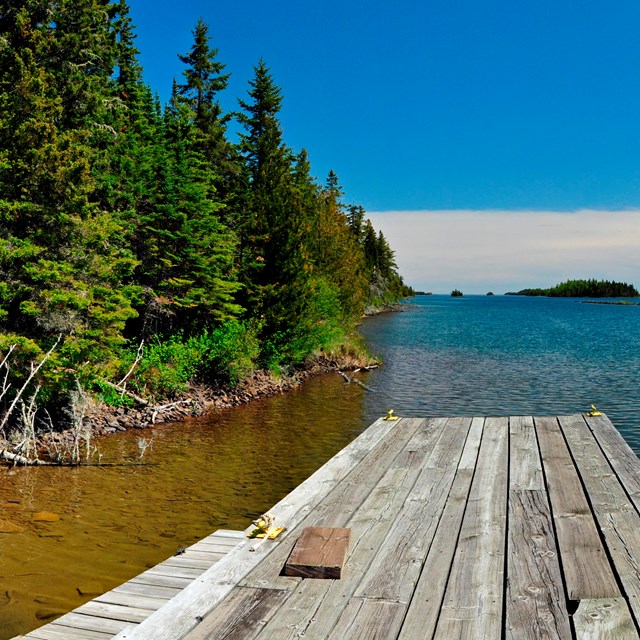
423	293
583	289
456	293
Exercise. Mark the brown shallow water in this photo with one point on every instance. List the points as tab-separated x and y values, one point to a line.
208	473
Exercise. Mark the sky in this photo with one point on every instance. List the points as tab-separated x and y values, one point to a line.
506	117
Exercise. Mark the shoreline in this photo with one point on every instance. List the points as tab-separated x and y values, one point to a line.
201	399
101	419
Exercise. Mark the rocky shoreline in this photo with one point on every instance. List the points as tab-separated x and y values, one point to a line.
201	399
101	419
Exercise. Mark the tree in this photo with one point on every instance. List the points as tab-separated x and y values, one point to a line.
62	266
264	229
203	81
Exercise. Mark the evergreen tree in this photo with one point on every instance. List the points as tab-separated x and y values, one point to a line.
264	229
203	81
60	261
356	217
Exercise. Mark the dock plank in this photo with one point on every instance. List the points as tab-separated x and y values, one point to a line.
620	455
585	566
604	619
424	609
126	613
536	604
616	516
131	600
525	468
535	601
472	606
369	620
473	598
92	623
55	631
241	616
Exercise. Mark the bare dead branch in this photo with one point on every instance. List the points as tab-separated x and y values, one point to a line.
135	363
125	392
34	370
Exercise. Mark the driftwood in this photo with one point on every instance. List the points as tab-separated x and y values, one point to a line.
21	460
34	370
164	407
355	380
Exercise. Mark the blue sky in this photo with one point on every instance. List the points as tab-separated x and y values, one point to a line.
436	105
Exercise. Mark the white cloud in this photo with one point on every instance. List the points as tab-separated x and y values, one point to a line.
478	251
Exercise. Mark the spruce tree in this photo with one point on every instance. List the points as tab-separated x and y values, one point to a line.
264	228
204	80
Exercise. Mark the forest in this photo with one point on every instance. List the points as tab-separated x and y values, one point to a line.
584	289
143	245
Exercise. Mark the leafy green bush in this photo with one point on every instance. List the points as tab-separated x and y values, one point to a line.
227	353
230	351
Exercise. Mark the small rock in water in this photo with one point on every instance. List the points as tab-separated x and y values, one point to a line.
47	614
91	589
45	516
9	527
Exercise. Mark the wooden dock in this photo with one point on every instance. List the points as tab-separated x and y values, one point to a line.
134	601
474	528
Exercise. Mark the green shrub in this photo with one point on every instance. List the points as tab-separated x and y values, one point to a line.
167	367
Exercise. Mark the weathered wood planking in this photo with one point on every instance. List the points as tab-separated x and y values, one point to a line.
424	609
370	525
473	602
388	483
536	604
410	537
433	506
241	616
619	454
585	565
615	515
319	552
604	619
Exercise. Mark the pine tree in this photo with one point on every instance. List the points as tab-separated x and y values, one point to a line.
186	253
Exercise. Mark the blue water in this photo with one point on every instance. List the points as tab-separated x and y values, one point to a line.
496	355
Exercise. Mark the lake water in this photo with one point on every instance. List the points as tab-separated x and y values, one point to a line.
443	356
506	355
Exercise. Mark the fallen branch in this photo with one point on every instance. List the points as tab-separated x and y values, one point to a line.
135	362
21	460
345	376
6	385
138	399
364	386
165	407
